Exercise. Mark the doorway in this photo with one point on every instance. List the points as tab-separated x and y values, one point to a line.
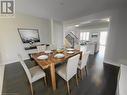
103	38
102	43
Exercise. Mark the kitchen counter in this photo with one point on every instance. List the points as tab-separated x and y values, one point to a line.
91	46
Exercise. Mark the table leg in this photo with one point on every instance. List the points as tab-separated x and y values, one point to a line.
53	76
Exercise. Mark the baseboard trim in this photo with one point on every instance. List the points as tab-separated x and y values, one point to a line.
2	68
13	61
111	63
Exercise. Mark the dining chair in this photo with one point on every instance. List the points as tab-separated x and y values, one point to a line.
41	48
67	71
52	47
33	74
83	62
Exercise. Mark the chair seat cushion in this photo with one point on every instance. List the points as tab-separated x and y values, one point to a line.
61	71
36	73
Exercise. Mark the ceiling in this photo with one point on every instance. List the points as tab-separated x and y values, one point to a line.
65	9
102	23
90	25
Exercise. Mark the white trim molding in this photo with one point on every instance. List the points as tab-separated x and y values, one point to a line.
112	63
2	67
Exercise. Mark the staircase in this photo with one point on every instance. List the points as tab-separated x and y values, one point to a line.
71	40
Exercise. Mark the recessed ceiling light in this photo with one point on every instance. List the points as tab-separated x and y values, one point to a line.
106	19
77	25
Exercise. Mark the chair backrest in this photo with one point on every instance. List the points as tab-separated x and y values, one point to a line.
25	68
72	65
41	48
52	47
84	59
83	49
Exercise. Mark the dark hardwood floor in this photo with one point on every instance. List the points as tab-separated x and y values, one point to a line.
101	80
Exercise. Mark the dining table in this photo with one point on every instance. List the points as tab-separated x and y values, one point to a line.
51	61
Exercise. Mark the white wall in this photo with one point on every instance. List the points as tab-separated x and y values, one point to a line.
10	42
57	33
116	48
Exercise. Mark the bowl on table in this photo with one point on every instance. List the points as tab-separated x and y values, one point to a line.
59	55
42	57
70	49
59	51
70	52
48	51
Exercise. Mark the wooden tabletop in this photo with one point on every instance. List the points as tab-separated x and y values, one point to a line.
51	59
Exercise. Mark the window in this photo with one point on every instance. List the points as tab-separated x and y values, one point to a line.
84	36
103	38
